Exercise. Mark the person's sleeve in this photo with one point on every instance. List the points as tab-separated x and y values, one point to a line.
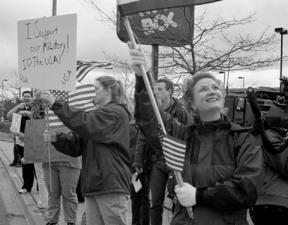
69	144
144	112
139	151
279	161
242	189
10	113
97	125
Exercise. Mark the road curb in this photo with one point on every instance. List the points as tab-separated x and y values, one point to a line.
26	202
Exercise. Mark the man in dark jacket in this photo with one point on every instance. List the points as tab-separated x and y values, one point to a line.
149	156
24	109
272	203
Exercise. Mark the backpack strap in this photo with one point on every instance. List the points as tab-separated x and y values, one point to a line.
259	123
235	130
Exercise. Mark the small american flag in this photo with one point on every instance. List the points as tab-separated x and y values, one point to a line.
84	67
174	152
81	98
59	95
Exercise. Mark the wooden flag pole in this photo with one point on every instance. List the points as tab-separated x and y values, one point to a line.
153	101
48	145
145	78
54	12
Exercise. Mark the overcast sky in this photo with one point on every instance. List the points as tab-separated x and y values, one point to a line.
95	37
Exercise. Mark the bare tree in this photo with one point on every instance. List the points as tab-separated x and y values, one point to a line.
215	48
124	72
108	17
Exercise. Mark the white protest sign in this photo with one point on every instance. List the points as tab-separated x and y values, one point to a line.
47	52
16	123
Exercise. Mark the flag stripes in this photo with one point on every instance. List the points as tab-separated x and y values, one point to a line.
84	67
81	98
174	152
54	121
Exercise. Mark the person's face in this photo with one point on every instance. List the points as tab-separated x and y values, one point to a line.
101	94
208	96
160	92
27	98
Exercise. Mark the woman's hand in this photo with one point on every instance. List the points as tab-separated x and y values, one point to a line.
138	58
186	194
49	136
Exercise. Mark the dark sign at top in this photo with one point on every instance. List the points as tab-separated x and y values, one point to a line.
148	5
168	27
162	22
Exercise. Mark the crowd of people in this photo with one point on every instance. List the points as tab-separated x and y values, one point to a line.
227	172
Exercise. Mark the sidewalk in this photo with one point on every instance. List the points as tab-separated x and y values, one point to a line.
30	199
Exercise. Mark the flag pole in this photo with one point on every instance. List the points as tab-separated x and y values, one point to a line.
153	102
54	12
48	145
144	75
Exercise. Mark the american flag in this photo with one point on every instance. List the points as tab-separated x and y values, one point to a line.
174	152
84	67
81	98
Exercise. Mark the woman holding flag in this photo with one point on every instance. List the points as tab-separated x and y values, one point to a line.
223	165
101	136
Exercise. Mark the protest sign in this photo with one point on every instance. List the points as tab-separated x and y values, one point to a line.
35	149
47	52
16	123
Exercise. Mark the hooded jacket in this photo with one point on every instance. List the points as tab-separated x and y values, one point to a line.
101	136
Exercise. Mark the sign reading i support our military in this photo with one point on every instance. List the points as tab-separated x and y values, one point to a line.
47	52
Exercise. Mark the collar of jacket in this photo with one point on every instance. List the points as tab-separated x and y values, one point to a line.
207	127
124	106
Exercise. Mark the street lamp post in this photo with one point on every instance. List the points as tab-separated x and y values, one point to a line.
228	73
224	78
2	105
282	32
2	86
243	81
